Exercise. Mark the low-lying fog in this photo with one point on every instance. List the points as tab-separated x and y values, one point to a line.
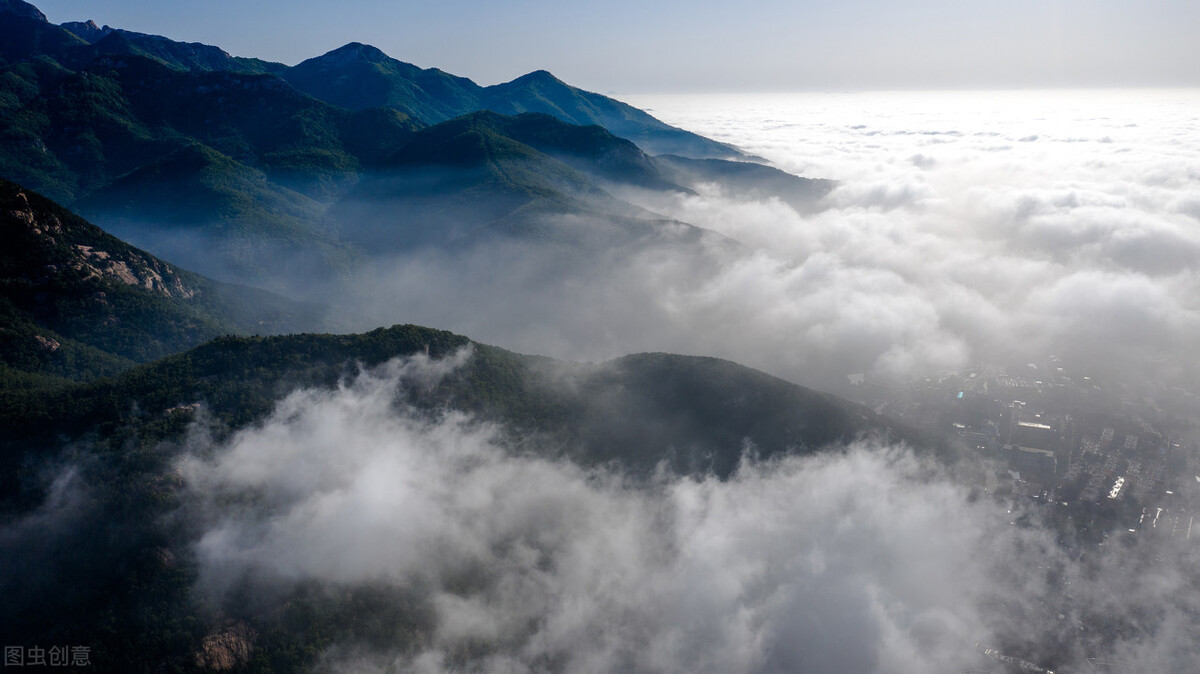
865	559
992	226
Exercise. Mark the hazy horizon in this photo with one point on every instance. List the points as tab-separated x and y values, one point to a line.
667	47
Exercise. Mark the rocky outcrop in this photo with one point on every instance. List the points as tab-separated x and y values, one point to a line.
224	650
151	275
45	231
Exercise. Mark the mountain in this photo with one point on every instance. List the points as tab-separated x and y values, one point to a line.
87	30
132	580
359	76
112	116
746	180
77	303
540	91
631	409
279	189
29	35
356	77
588	148
25	34
21	9
179	55
234	171
178	161
606	157
474	177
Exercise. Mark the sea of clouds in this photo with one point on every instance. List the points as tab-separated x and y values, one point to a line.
969	226
966	228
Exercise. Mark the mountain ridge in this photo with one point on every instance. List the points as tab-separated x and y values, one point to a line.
473	175
336	77
22	9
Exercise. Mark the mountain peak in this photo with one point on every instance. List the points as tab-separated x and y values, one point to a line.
88	30
350	52
22	9
538	76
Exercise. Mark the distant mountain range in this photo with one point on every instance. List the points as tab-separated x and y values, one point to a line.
181	148
488	175
359	76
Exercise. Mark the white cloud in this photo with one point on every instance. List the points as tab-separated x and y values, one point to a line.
864	560
1084	226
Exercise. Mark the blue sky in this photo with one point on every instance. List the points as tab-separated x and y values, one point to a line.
667	46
